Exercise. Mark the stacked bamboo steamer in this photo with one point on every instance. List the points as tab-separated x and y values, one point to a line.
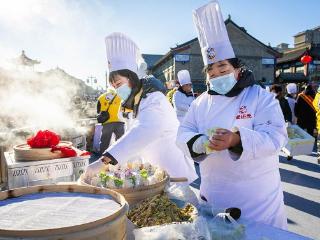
24	152
62	212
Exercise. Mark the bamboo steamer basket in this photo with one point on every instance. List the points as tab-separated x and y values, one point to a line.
24	152
109	227
137	194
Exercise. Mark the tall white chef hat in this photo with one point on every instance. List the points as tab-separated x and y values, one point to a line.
184	77
142	67
292	88
122	52
212	33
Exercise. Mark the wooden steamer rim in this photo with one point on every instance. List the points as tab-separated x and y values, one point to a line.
23	152
124	207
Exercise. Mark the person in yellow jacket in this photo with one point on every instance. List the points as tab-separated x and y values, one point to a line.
108	107
316	105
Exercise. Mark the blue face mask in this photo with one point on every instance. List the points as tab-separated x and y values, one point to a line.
124	92
223	84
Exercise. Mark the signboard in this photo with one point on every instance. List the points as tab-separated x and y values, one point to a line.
182	57
316	62
267	61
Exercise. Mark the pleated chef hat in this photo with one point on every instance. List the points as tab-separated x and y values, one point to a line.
212	33
122	53
292	88
184	77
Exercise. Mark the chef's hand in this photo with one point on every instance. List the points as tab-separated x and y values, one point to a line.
198	146
96	167
223	139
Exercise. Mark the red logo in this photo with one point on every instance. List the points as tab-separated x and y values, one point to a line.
211	54
243	113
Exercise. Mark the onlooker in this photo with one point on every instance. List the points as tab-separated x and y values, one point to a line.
108	107
277	91
316	105
305	111
291	98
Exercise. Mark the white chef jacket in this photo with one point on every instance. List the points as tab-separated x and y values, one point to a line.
152	137
181	103
292	103
251	182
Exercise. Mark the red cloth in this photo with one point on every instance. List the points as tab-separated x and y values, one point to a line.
65	151
85	153
44	139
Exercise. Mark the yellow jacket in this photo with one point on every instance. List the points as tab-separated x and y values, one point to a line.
316	106
170	94
104	102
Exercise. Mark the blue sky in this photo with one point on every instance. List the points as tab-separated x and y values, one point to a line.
70	34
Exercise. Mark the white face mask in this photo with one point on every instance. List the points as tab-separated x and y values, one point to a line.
223	84
124	91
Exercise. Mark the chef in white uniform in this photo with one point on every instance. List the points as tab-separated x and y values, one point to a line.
152	136
183	97
239	164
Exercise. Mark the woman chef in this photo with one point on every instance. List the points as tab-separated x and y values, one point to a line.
183	97
152	136
241	169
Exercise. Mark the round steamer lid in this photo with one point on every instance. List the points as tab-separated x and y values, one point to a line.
54	210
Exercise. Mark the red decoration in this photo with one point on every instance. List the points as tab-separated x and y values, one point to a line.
85	153
44	139
305	59
65	151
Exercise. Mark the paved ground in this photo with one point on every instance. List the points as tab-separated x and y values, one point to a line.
301	185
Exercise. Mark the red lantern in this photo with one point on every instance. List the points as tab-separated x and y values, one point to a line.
305	59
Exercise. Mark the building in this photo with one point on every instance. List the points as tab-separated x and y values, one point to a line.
289	67
24	62
257	56
151	59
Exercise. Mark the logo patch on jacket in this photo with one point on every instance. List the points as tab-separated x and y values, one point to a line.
243	113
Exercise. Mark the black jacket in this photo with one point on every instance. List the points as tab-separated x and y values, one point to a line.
305	114
285	107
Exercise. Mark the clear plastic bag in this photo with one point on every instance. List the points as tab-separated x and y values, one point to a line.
182	192
197	230
223	226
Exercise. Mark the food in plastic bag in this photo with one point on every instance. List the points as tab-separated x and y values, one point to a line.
183	192
210	133
197	230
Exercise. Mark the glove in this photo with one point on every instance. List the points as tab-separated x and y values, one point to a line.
199	145
94	169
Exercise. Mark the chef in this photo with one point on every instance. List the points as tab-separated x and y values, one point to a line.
240	163
183	97
152	136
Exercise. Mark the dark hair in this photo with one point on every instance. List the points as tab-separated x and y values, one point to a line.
132	76
276	88
309	91
235	62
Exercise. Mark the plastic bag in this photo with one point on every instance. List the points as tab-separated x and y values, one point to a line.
182	192
197	230
221	228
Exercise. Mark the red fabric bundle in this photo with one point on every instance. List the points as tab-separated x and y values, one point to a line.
65	151
44	139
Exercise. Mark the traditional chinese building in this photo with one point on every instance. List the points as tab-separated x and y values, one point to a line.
290	68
